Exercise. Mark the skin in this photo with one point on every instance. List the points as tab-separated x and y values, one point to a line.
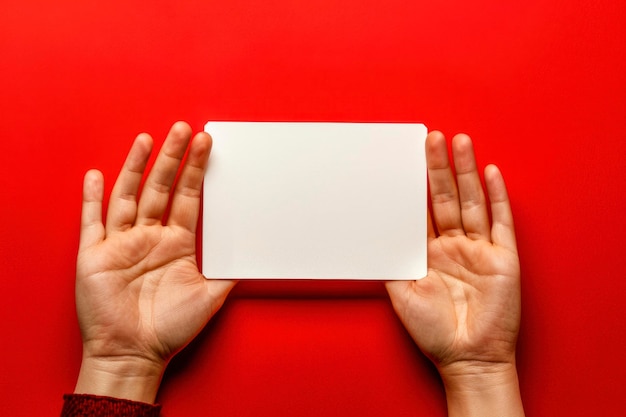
141	298
139	294
465	314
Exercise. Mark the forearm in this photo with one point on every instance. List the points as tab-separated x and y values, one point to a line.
483	392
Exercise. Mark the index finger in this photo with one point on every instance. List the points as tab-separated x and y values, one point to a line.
502	229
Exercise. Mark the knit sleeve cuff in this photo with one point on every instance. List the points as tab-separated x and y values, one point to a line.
87	405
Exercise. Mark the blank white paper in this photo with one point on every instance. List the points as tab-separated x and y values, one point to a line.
315	201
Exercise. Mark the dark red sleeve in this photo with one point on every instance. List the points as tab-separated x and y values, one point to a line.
85	405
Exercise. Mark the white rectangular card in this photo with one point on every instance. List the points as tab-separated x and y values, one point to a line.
315	201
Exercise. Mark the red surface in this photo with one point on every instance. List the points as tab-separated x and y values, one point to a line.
539	85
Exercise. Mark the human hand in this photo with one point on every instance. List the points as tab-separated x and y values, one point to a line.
140	297
465	314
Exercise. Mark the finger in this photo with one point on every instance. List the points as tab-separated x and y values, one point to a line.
156	191
91	228
443	192
123	202
502	229
472	200
186	200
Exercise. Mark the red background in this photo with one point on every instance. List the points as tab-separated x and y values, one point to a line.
539	85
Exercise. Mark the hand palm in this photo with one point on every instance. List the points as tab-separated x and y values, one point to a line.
463	299
132	291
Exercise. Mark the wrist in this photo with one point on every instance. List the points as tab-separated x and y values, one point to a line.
480	389
127	378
